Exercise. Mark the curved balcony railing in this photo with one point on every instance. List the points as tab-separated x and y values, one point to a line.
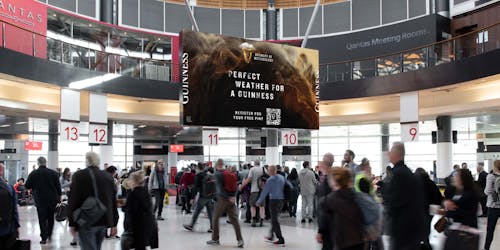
83	56
456	48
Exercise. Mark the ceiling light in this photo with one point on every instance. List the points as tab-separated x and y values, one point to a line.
82	84
142	126
5	126
21	123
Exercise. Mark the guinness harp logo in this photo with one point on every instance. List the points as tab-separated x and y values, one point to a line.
248	50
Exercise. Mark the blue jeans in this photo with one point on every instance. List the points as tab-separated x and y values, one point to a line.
91	238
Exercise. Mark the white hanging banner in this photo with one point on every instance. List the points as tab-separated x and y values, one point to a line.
210	137
98	119
70	105
290	138
409	116
98	134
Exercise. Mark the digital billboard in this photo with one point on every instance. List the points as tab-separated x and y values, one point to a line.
233	82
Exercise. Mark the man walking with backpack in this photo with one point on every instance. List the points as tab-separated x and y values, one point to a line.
47	191
9	217
493	192
255	179
205	185
226	202
96	187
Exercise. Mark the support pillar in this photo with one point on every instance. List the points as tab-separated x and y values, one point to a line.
172	157
106	150
271	22
444	147
385	146
106	14
443	8
272	147
53	154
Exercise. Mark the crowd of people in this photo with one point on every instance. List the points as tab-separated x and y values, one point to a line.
353	209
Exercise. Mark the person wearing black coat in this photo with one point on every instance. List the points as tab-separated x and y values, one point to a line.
463	205
481	182
81	188
403	201
432	196
47	191
322	191
139	219
342	214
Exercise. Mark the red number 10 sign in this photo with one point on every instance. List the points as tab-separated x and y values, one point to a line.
98	134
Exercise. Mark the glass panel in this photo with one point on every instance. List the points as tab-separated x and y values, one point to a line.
80	56
54	50
467	46
66	53
442	53
339	72
364	69
389	65
415	60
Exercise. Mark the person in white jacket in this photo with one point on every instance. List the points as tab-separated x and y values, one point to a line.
307	190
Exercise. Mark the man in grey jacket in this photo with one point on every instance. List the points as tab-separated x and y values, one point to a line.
307	190
158	186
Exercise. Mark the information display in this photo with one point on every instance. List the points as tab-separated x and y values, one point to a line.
290	138
98	134
70	131
228	81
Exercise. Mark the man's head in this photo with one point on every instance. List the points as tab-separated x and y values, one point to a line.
106	165
397	153
92	159
160	165
496	167
257	163
365	166
328	160
456	167
464	165
480	168
20	181
219	164
349	156
306	164
41	161
272	170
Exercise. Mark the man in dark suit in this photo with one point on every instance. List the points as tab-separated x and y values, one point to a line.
81	188
481	182
46	188
403	202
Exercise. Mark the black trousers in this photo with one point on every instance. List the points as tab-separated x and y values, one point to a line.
46	215
159	199
275	207
8	241
493	215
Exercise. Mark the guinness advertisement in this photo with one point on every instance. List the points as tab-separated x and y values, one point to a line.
233	82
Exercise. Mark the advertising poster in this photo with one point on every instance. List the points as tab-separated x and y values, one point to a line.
233	82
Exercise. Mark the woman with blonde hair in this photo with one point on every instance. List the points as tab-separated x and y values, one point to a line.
139	219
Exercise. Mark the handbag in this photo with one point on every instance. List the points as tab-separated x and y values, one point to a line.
441	225
22	245
127	240
92	208
61	212
459	239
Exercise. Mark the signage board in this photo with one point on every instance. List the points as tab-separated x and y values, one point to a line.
233	82
290	138
210	137
177	148
98	134
409	132
70	131
33	145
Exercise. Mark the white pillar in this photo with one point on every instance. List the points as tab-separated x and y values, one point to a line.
106	154
444	159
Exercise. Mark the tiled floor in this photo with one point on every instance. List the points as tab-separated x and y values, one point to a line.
173	236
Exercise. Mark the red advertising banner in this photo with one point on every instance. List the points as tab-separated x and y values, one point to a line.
177	148
33	145
24	24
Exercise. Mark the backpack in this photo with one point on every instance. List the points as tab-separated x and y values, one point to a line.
230	181
209	186
263	179
496	186
372	215
7	207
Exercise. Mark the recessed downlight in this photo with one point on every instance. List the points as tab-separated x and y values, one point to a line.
5	126
21	123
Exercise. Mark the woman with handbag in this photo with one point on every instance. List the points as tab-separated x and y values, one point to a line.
462	209
139	219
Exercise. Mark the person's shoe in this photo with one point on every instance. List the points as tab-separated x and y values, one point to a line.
253	224
241	244
210	230
188	227
228	221
279	242
247	222
159	217
213	242
73	244
43	242
303	221
310	220
269	239
261	223
106	236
